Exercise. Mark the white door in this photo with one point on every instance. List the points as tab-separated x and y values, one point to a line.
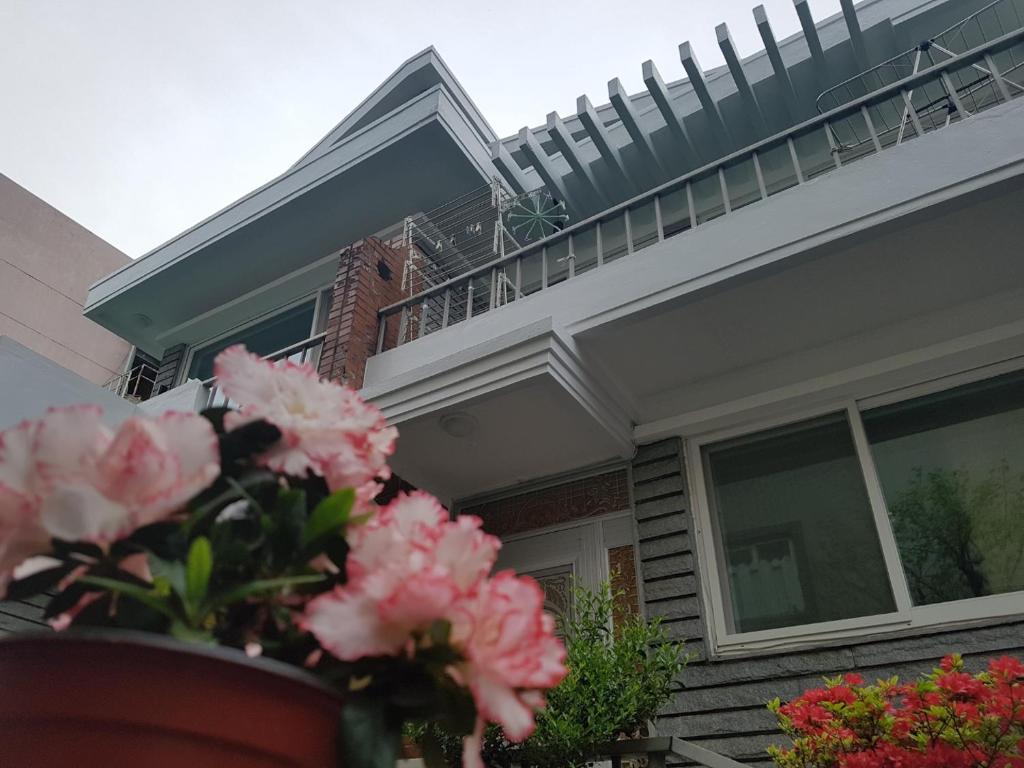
564	557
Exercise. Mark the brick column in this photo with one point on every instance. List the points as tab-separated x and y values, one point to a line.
369	277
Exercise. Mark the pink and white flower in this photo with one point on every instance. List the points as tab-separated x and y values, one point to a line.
511	655
326	428
406	568
68	476
410	566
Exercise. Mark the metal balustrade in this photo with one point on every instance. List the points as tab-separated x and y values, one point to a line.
657	750
908	108
307	351
135	385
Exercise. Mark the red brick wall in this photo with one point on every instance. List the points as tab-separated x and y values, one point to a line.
575	500
369	277
622	566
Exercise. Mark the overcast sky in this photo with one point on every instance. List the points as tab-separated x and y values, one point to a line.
138	118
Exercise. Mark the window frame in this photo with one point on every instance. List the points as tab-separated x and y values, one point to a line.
321	303
709	553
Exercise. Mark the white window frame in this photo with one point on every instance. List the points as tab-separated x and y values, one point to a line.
906	615
320	297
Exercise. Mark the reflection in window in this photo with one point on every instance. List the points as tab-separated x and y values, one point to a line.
951	466
795	528
263	338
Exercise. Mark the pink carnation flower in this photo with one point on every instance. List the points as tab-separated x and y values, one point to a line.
407	566
68	476
511	656
410	566
327	429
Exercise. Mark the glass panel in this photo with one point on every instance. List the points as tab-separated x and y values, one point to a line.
506	288
531	273
741	181
457	308
613	237
481	293
852	137
777	169
707	198
814	153
584	248
263	338
952	470
643	226
675	212
794	528
558	261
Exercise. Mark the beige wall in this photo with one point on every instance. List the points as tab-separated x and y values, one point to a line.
47	262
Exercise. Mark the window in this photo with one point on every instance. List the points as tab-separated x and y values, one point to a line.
951	467
908	513
263	338
793	517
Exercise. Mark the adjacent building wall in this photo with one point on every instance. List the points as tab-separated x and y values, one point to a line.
721	705
47	263
31	383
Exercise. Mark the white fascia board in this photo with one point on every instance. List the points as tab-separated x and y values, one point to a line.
429	57
355	149
519	356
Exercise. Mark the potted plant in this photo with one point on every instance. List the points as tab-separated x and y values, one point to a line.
235	597
622	670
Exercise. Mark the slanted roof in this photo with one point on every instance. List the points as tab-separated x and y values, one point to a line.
417	74
415	143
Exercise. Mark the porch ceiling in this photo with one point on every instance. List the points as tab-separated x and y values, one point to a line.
524	407
943	274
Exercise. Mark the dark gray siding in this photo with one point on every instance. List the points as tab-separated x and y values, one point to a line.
22	615
167	373
721	705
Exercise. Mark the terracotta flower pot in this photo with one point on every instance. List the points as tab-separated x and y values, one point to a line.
139	701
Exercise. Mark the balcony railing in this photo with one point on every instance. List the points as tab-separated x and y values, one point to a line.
135	385
307	351
933	98
658	749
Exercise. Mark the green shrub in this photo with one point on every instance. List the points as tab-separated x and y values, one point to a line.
618	680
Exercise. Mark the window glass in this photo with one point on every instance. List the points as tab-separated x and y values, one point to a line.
263	338
796	538
951	467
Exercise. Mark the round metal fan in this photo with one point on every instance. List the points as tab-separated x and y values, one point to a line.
534	215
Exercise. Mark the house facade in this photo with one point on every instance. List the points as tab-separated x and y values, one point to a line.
749	343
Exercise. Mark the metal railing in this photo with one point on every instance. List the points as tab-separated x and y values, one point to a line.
306	351
135	384
658	749
755	173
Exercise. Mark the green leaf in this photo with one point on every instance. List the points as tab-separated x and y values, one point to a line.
371	734
188	634
262	585
197	571
170	572
144	596
38	582
329	516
